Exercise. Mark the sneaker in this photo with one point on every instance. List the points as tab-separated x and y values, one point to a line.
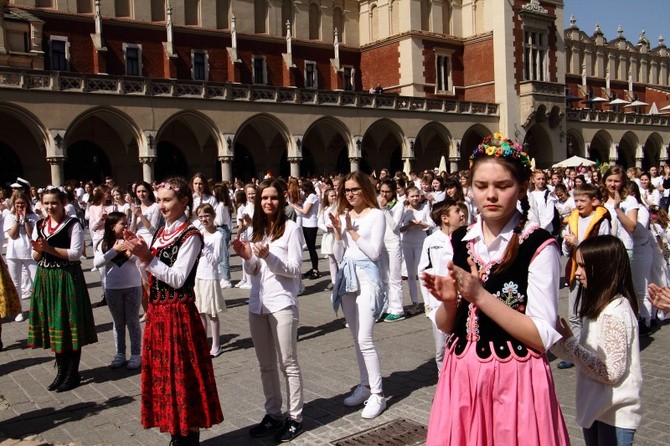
143	318
565	365
94	269
330	286
360	395
134	363
374	406
315	275
289	431
245	286
414	309
267	425
394	317
225	284
240	284
118	362
19	317
306	274
216	353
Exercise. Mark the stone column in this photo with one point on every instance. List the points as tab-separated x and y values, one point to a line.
226	168
407	164
354	163
295	165
56	163
454	155
614	153
639	155
148	168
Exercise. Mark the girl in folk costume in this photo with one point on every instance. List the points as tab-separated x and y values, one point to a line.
607	353
179	393
499	302
9	298
60	309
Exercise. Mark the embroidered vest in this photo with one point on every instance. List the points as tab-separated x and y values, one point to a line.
59	239
600	213
509	286
161	292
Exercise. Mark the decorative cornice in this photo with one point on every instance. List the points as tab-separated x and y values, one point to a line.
534	6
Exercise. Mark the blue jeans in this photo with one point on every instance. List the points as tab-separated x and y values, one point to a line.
601	434
224	266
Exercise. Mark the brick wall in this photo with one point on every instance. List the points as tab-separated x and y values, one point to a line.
372	61
477	69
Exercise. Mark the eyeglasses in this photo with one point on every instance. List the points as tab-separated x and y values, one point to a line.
353	190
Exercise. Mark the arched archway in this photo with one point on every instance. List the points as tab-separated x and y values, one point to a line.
431	144
170	162
244	167
22	146
195	138
626	150
652	151
574	143
323	146
538	146
86	161
382	147
471	139
600	147
263	141
11	167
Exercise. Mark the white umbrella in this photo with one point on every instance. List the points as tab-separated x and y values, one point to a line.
653	110
595	99
666	108
575	161
618	101
443	164
636	103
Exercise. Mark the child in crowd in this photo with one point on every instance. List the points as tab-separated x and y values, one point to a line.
124	289
413	226
542	202
435	254
224	210
587	220
607	352
500	304
391	259
328	206
245	214
208	292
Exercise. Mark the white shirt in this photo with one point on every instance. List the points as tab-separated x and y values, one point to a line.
415	235
543	276
176	275
582	224
628	204
76	236
609	375
436	252
153	215
247	209
370	228
18	248
208	265
117	277
393	217
542	211
275	280
310	219
222	215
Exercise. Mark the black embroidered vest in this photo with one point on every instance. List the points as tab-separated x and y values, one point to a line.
59	239
161	292
510	286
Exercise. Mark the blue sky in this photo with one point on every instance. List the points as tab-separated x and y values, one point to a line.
651	15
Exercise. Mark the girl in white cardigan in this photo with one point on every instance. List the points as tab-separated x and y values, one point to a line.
607	353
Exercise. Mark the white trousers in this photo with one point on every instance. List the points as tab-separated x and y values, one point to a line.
22	273
391	266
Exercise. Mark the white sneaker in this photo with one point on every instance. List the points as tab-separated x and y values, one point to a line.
94	269
245	286
240	284
360	395
19	317
374	406
226	284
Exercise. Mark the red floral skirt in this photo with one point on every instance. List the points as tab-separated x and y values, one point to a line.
178	385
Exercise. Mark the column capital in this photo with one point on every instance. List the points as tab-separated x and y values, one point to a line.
55	160
294	159
147	159
354	159
226	158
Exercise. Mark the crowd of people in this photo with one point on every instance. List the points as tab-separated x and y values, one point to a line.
479	251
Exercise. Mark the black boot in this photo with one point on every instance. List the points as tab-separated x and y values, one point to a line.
193	438
73	378
62	361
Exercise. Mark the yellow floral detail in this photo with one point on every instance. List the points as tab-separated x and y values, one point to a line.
490	150
499	136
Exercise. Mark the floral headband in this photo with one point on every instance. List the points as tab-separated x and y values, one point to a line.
501	147
167	186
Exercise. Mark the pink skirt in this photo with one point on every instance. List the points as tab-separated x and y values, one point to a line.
495	402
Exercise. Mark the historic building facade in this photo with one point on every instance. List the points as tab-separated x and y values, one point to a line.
236	88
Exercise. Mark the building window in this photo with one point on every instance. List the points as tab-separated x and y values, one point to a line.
122	8
200	64
338	22
192	12
260	76
443	84
426	6
133	56
374	23
311	75
222	14
60	54
535	55
349	78
157	10
287	16
85	6
261	17
314	22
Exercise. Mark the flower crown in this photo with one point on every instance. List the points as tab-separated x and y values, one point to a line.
501	147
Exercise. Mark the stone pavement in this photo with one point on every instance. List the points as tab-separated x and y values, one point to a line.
104	410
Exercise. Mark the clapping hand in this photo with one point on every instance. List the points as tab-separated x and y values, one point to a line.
137	246
242	248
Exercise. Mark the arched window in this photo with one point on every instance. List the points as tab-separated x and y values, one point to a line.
374	23
192	12
446	17
85	6
157	10
287	16
314	22
122	8
260	16
222	14
479	17
425	14
338	22
395	17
